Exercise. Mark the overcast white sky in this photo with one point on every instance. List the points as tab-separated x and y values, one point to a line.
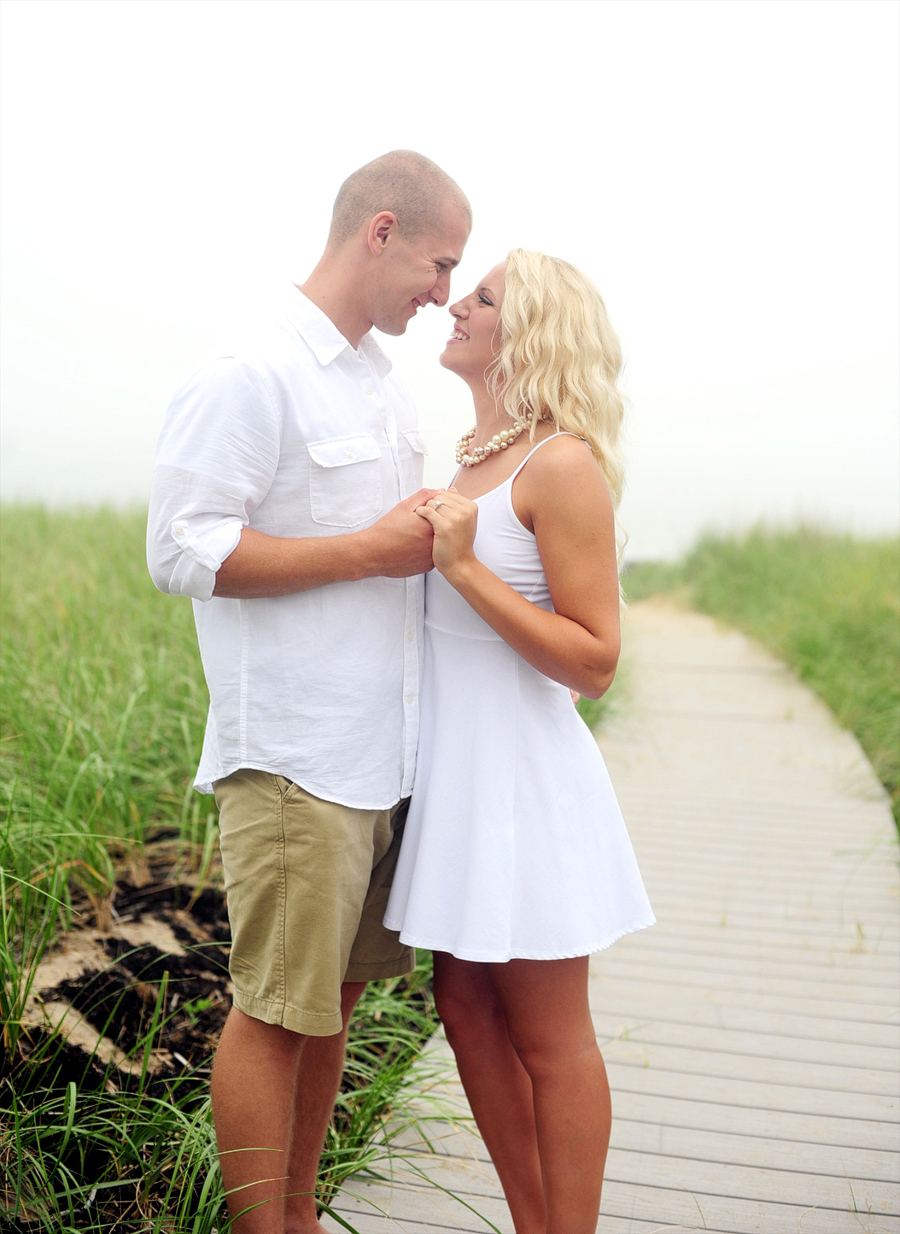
727	171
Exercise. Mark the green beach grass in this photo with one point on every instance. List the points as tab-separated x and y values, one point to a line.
827	604
103	711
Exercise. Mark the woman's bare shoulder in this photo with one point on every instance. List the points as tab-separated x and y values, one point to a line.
561	450
562	477
564	460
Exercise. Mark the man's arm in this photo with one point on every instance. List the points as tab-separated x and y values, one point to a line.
217	459
263	565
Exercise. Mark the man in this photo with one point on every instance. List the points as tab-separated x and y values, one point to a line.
283	501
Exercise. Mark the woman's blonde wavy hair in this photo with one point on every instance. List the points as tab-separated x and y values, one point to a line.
560	359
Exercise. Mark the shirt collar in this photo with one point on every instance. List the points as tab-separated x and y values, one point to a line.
324	338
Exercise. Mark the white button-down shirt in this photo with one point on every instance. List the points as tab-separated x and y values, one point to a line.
296	434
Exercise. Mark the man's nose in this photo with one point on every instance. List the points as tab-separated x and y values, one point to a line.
440	292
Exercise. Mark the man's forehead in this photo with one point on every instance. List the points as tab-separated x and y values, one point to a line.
449	240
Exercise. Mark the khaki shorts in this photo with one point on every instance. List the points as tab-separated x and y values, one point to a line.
307	883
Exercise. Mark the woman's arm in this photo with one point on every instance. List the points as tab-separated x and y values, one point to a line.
563	496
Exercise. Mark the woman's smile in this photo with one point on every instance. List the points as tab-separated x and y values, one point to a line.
476	318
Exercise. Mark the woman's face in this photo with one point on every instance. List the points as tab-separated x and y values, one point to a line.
475	340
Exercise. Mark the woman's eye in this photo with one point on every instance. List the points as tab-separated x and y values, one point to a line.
485	300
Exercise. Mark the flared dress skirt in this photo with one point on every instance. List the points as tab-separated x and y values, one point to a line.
514	846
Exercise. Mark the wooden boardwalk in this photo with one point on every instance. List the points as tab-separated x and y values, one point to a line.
752	1035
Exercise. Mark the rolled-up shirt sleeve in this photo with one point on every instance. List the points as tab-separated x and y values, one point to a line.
217	455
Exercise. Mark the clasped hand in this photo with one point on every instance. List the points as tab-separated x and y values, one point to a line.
454	519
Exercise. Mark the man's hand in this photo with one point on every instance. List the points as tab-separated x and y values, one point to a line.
399	544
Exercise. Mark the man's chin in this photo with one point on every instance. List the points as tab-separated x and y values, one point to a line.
391	327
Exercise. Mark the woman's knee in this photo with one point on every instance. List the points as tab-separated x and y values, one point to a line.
466	1003
547	1056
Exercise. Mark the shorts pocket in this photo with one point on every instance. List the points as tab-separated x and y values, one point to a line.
287	788
344	481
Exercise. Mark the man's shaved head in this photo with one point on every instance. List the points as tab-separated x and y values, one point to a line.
408	184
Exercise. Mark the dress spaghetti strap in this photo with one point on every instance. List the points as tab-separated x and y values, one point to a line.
534	449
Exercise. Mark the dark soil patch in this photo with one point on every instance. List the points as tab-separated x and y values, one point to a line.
146	1000
157	1014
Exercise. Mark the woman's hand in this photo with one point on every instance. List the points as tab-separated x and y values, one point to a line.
454	519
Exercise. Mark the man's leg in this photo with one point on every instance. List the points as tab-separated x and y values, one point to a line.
317	1082
305	880
253	1080
273	1093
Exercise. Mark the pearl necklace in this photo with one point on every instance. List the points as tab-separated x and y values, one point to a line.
500	441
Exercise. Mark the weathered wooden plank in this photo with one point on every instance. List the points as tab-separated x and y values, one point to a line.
700	1211
416	1205
837	956
750	833
639	1005
744	994
817	1130
367	1223
822	1077
735	1149
752	825
749	813
849	1146
825	902
824	812
364	1224
668	940
729	903
751	1094
774	926
753	1044
780	939
824	980
723	910
610	1225
747	871
771	1184
651	1201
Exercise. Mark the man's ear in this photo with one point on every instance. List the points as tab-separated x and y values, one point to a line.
382	228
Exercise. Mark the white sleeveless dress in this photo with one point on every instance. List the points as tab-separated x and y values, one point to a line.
514	846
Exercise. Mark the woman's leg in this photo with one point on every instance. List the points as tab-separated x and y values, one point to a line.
549	1023
497	1085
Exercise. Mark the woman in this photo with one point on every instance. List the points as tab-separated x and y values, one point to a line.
515	863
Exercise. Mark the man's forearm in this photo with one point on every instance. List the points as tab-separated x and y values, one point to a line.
397	546
263	565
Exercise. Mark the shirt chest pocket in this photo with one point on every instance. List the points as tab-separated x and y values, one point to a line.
344	481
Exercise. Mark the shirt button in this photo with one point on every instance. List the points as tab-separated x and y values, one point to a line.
178	530
410	636
369	390
349	454
409	698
